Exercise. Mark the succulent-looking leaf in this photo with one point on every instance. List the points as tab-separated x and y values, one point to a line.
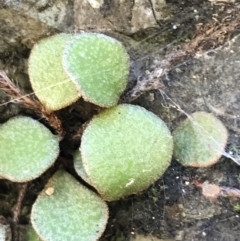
78	165
49	81
124	150
27	149
2	233
31	234
5	232
99	65
199	141
71	213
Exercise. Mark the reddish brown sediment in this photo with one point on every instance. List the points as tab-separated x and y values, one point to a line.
213	191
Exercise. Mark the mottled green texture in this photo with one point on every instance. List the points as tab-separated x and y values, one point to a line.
4	232
200	140
99	66
78	165
49	81
124	150
71	213
31	234
27	149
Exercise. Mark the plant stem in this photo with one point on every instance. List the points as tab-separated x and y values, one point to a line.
17	211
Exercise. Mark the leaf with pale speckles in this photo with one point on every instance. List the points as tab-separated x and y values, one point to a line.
27	149
99	66
200	140
49	81
71	213
124	150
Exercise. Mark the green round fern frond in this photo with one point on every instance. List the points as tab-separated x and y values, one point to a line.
200	140
31	234
5	231
69	211
27	149
78	165
124	150
99	66
51	84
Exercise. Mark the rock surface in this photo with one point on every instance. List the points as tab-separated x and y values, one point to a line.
122	16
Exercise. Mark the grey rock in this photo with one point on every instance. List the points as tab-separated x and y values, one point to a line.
23	23
119	15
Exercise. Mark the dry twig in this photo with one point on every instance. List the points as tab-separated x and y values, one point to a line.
17	211
18	96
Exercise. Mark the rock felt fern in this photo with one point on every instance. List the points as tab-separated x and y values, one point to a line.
199	141
50	82
5	232
99	66
64	67
125	149
27	149
78	165
31	234
70	212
